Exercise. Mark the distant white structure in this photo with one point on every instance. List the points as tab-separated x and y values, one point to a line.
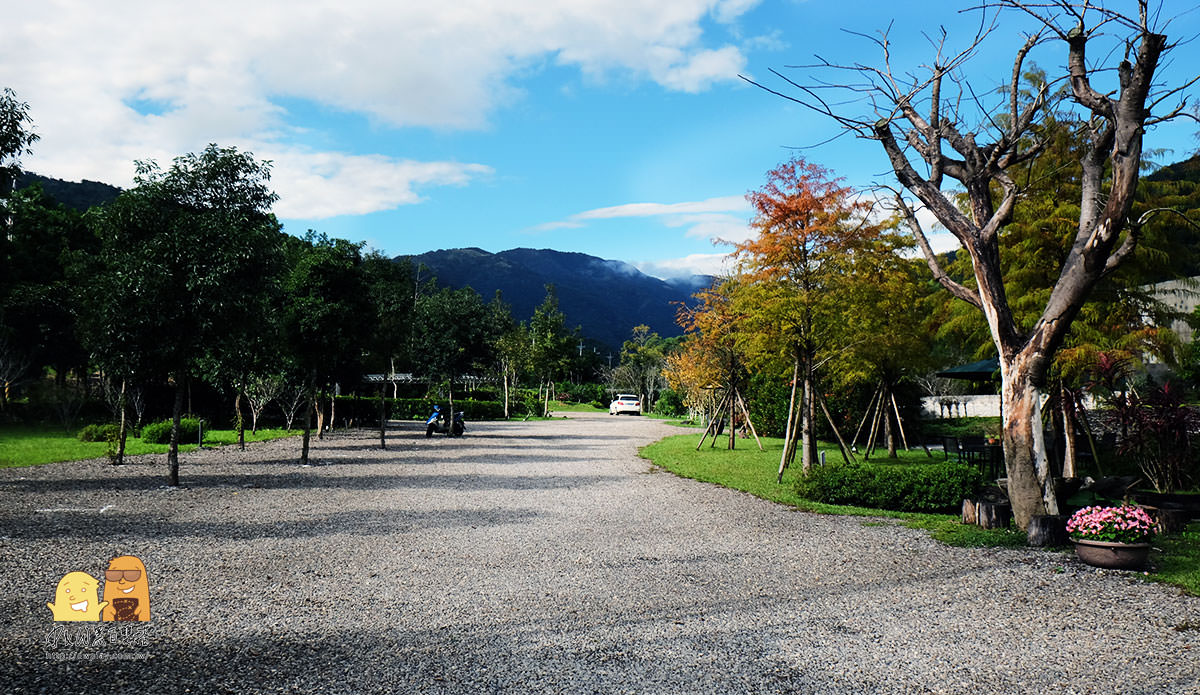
980	405
1181	295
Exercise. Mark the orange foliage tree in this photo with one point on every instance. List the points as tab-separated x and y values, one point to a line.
710	357
810	228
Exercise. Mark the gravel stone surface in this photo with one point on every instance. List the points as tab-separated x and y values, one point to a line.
542	557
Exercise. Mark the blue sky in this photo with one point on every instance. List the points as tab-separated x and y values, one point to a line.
616	128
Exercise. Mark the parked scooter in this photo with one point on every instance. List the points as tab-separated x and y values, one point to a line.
437	423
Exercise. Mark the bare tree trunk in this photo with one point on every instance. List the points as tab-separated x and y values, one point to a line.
1030	485
732	419
807	443
382	419
239	421
1068	427
889	434
505	368
123	431
176	416
319	406
333	408
308	413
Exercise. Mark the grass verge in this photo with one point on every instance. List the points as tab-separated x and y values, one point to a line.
31	446
1179	563
749	470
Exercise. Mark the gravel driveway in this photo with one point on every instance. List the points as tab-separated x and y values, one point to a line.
542	557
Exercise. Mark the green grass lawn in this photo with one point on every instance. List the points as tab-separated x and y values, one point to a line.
749	470
30	446
1179	561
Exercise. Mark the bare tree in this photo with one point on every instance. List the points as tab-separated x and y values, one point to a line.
936	129
292	397
14	371
260	391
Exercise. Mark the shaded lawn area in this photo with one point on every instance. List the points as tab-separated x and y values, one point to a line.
23	445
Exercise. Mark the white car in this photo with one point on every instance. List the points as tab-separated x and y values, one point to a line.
625	403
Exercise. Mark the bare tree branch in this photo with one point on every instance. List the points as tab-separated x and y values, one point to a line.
957	289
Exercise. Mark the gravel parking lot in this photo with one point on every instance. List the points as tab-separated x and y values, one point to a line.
542	557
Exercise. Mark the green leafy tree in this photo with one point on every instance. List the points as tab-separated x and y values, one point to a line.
643	359
37	317
180	269
390	288
16	139
881	336
326	316
551	345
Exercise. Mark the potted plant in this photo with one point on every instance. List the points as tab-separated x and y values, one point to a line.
1112	537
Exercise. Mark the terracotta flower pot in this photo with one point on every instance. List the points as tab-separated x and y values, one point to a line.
1112	555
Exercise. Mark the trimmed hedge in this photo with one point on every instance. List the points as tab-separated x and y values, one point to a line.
160	432
932	487
99	433
365	411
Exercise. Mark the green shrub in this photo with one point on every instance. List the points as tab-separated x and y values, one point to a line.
160	432
670	403
364	412
909	488
99	433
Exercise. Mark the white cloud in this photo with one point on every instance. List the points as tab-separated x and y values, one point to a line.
715	219
694	264
722	204
726	228
221	71
317	185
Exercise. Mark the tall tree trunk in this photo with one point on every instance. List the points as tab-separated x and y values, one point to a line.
1068	426
239	421
732	419
807	444
173	449
505	369
333	409
308	413
124	428
889	434
319	406
1030	485
382	419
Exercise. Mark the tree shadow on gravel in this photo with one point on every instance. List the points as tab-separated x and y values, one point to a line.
297	480
564	437
466	659
102	527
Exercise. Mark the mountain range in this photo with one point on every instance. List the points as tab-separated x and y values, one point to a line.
605	298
